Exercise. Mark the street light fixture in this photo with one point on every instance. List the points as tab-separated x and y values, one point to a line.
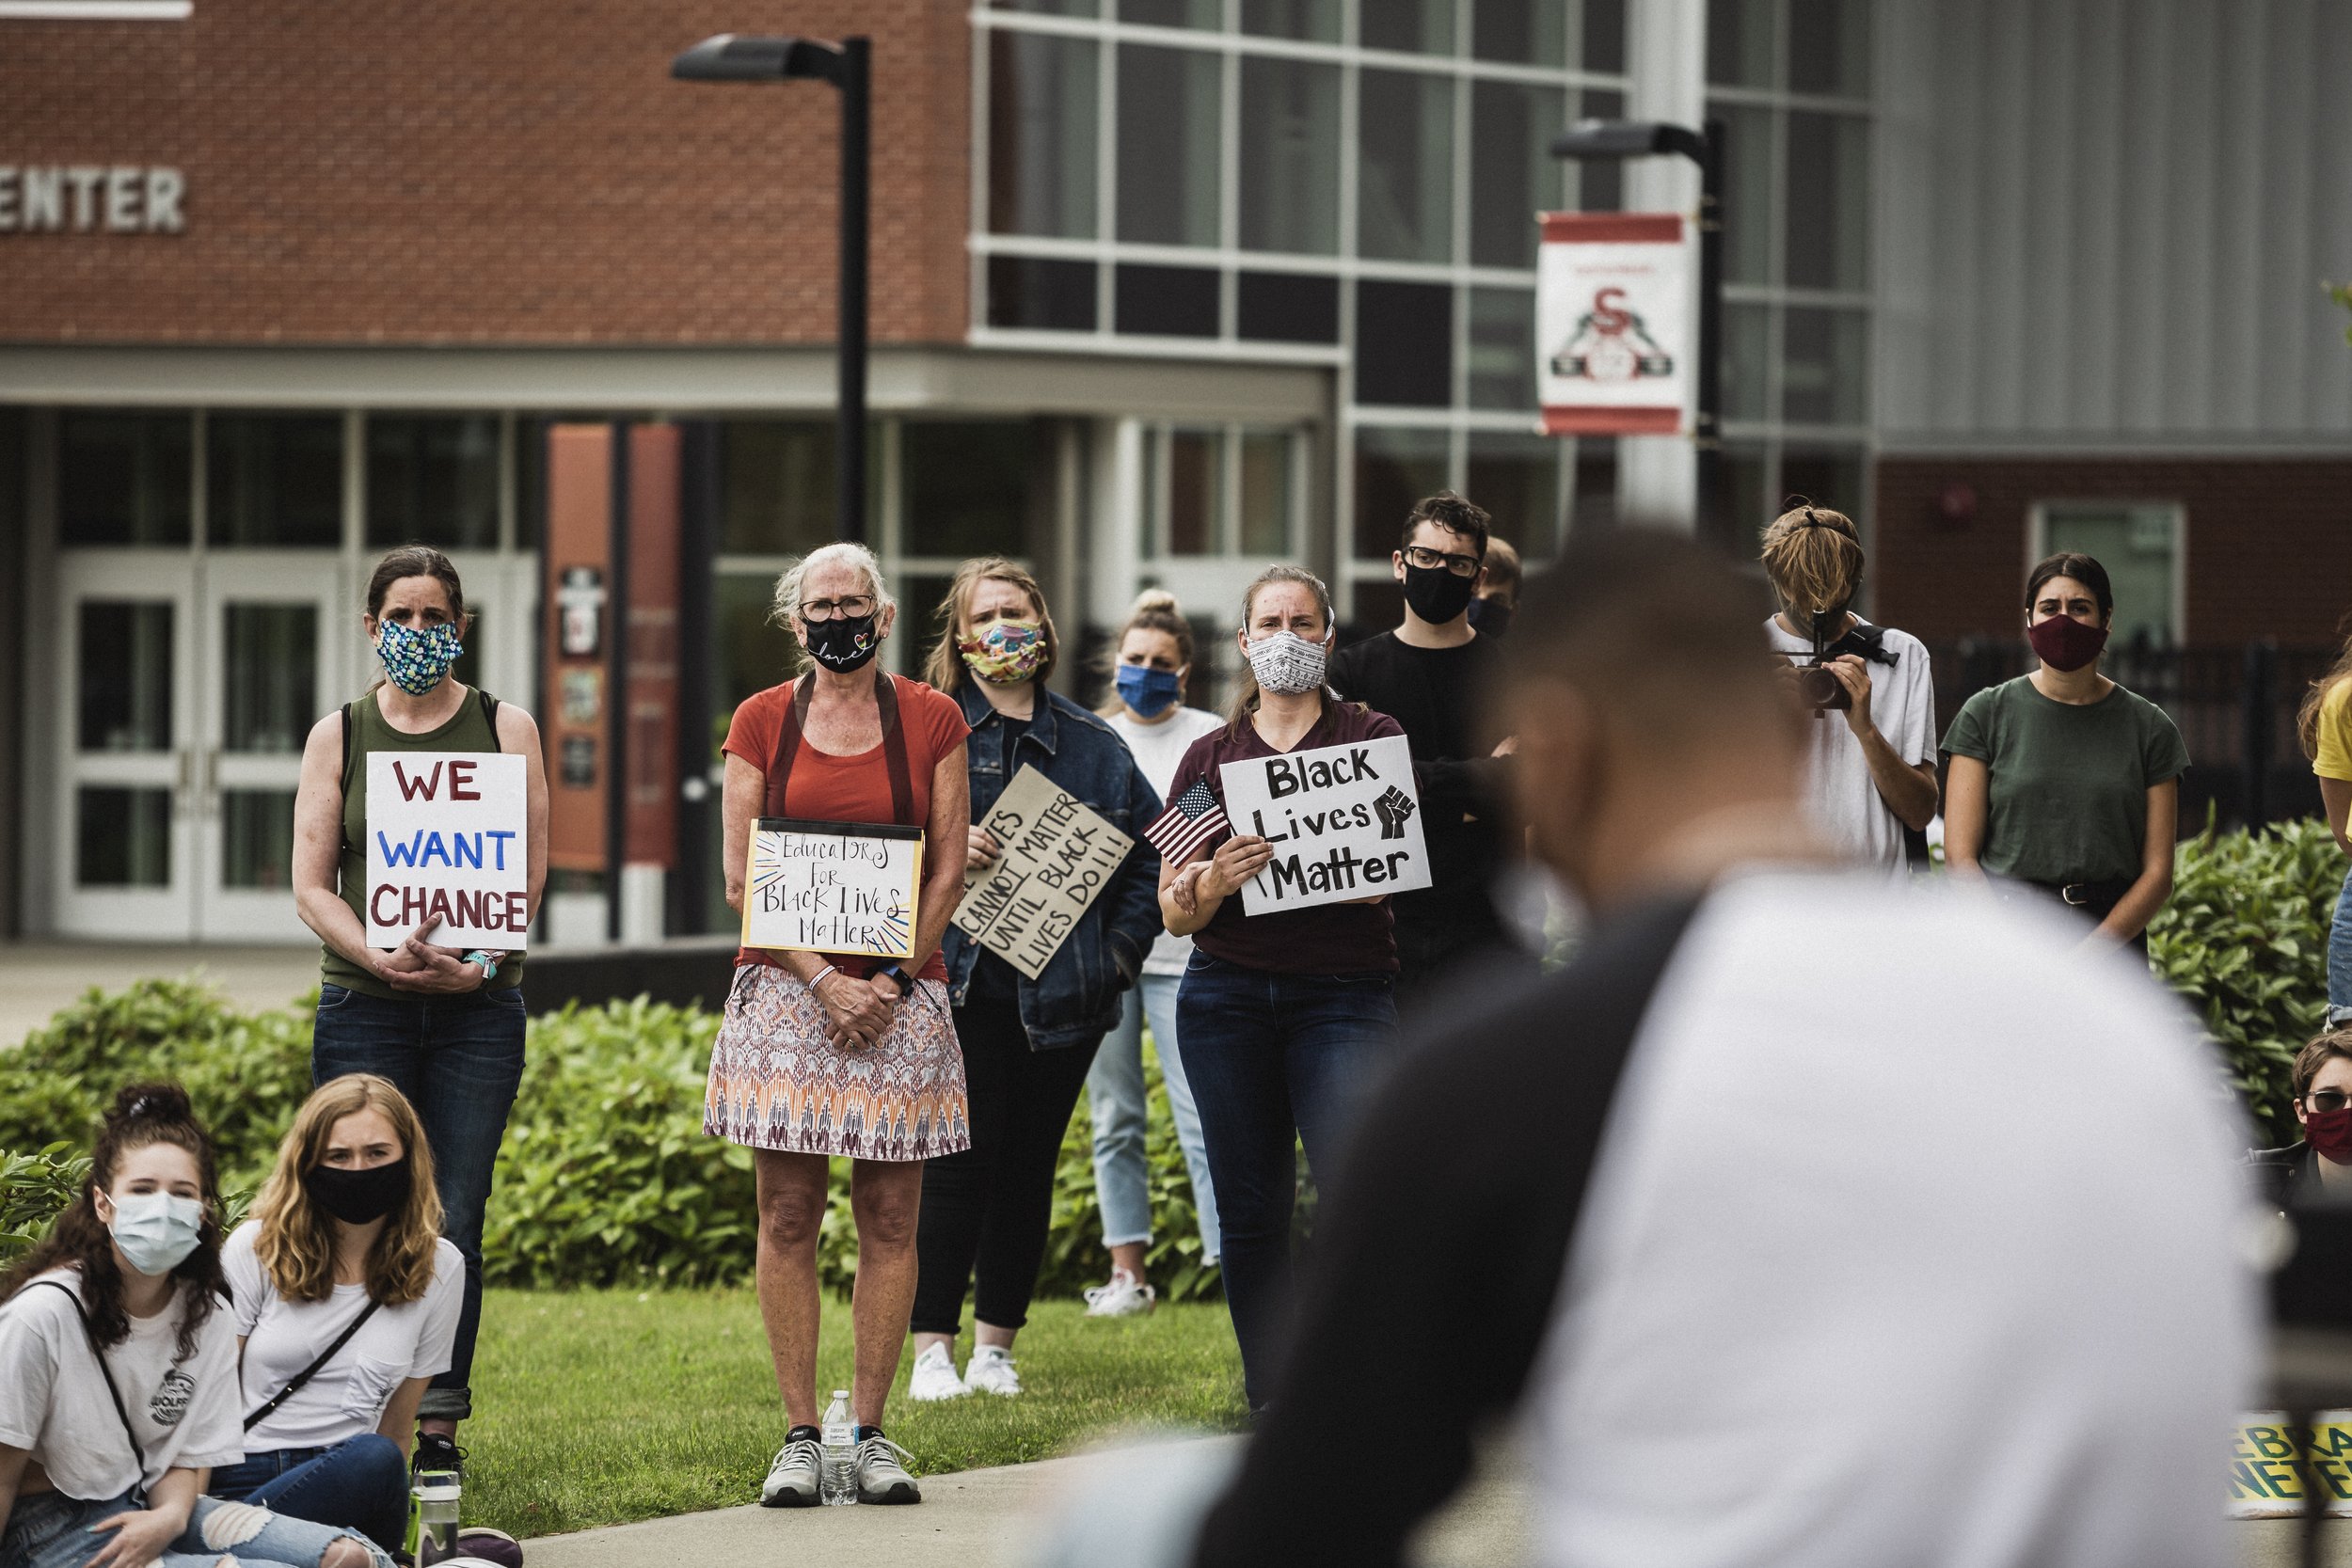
1612	140
736	58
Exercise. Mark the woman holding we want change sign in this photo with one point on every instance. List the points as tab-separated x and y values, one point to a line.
443	1024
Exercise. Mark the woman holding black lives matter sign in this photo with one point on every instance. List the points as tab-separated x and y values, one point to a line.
832	1054
1284	1015
1028	1043
445	1025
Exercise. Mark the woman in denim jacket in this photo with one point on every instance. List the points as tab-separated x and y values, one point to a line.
1028	1043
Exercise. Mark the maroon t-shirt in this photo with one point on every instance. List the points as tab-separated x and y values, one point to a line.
1330	938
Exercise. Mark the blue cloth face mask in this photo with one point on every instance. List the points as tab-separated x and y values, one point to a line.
416	659
155	1230
1148	690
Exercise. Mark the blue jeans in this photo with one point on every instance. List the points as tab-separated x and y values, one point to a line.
1274	1060
359	1483
50	1529
2340	959
459	1060
1115	1098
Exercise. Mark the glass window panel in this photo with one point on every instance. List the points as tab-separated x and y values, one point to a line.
1747	354
1747	471
468	670
2136	545
1314	20
257	838
1404	185
1740	42
1416	26
750	655
432	481
969	487
1747	191
124	661
1595	508
1034	291
531	481
1601	185
1604	35
1503	348
124	479
776	486
1526	32
1290	166
1191	491
1829	47
1824	377
1512	174
1287	308
1173	13
1169	118
1404	343
1178	302
1265	492
1395	469
274	478
123	838
1042	131
269	676
1050	8
1517	479
1825	478
1829	174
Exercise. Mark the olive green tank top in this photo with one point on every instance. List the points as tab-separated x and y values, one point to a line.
473	728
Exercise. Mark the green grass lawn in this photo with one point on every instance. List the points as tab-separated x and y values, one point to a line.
598	1407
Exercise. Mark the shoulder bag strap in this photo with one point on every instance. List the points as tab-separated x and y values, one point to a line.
98	1354
304	1376
787	746
893	748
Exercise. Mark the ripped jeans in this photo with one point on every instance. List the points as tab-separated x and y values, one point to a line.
50	1529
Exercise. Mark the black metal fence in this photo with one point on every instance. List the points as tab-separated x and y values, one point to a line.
2235	707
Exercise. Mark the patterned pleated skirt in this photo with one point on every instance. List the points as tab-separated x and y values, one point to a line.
777	1083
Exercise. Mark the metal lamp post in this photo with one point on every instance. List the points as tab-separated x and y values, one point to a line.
735	58
1614	140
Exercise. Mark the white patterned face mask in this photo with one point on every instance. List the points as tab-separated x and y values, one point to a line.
1287	663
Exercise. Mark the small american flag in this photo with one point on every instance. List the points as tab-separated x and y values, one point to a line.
1191	821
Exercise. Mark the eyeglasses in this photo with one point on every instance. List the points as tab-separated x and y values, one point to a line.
2325	1101
851	608
1429	559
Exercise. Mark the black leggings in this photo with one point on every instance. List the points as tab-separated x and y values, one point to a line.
991	1203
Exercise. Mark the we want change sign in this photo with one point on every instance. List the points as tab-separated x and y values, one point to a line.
448	840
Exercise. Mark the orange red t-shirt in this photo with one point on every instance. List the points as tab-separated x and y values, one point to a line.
827	788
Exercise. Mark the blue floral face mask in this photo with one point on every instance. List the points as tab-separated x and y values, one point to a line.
416	659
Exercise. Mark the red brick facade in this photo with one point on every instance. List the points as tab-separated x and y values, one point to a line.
2269	540
484	171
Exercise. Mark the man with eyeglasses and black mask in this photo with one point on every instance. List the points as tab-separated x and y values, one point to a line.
1432	674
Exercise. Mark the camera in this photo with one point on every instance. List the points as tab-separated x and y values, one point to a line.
1821	689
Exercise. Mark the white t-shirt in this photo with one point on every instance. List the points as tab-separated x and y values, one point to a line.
347	1396
1158	749
54	1400
1839	795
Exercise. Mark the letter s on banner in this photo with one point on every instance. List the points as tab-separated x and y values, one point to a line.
1615	324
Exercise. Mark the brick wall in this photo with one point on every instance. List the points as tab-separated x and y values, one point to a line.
463	171
2269	541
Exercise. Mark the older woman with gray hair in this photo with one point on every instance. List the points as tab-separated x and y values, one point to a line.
833	1053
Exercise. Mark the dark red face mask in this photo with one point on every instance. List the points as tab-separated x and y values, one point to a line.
2063	643
2329	1133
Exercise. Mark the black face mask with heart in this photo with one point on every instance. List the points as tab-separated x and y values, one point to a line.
1436	594
359	1197
843	643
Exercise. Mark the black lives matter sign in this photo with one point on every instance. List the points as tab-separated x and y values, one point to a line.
1345	822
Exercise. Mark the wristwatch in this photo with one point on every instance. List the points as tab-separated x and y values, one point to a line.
489	962
899	976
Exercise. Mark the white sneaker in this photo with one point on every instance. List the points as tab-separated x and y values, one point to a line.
934	1377
990	1371
1123	1297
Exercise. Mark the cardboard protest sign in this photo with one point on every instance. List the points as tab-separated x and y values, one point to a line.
833	887
1344	821
447	839
1059	855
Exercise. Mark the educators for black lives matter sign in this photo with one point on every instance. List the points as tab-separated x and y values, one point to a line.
1344	823
833	887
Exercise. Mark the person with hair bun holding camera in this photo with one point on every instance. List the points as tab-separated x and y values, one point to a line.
1872	776
2062	781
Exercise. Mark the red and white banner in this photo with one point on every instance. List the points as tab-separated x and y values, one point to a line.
1615	332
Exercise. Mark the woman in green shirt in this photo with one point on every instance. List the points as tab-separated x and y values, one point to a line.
2061	779
445	1025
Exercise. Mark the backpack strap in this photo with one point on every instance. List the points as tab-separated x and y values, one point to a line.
295	1384
98	1354
350	740
490	715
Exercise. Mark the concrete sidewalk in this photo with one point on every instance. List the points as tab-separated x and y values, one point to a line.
37	979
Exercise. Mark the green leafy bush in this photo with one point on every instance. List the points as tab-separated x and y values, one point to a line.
33	1189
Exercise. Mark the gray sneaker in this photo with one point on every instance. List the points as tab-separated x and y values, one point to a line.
793	1479
881	1478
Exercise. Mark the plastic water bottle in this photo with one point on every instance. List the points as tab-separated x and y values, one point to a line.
839	1487
436	1497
